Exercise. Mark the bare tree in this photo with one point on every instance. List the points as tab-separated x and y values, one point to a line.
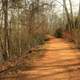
6	41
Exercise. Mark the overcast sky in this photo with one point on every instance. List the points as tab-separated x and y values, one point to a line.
75	4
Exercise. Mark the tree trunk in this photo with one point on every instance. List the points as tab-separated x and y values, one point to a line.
6	40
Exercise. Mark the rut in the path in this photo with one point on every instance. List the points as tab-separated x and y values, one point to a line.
61	61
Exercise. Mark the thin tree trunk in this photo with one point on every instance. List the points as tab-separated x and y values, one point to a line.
6	41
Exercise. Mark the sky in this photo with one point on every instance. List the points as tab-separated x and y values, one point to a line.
59	7
75	4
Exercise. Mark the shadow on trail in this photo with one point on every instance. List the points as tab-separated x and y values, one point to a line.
67	64
67	70
55	49
57	73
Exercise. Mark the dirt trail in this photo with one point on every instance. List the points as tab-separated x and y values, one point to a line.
60	62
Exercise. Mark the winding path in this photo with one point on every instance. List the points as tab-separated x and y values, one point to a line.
61	61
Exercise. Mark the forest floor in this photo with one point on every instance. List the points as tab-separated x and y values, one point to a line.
60	61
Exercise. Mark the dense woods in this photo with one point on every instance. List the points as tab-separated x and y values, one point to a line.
73	24
24	24
39	39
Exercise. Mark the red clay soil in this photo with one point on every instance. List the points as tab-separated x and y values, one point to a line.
61	61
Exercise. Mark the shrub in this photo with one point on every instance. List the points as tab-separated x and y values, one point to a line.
58	33
76	38
39	39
